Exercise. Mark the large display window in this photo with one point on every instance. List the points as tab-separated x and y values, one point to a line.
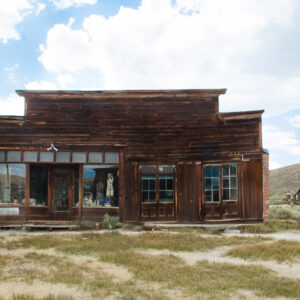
12	184
100	186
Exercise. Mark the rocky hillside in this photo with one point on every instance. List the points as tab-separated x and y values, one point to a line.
286	179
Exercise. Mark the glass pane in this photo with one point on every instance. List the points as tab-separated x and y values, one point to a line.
162	184
2	155
216	196
100	186
148	169
208	183
76	187
225	182
215	171
170	184
152	185
79	157
46	156
14	155
207	172
152	196
216	183
166	196
30	156
95	157
233	182
61	193
145	185
165	169
112	157
233	169
63	157
12	184
233	194
208	196
144	196
225	194
225	170
38	186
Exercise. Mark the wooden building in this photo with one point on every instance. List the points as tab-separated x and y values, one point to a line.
296	197
140	155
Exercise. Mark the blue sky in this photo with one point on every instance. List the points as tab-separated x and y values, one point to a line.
250	47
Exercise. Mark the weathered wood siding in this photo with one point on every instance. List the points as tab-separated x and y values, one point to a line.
172	127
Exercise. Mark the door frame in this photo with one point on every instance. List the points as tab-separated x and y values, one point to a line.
69	175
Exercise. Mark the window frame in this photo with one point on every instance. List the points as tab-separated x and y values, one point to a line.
221	200
157	173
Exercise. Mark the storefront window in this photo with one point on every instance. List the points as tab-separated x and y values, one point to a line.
38	186
76	187
12	184
100	186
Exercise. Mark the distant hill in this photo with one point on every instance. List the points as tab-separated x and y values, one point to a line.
286	179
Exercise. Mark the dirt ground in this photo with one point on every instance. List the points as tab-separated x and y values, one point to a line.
38	288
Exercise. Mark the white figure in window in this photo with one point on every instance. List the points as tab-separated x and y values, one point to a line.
110	187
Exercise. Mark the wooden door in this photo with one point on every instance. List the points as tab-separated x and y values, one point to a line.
62	193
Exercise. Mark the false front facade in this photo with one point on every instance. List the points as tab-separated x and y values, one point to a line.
140	155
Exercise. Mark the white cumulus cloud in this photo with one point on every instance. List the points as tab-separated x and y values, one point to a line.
186	44
13	12
13	105
295	121
62	4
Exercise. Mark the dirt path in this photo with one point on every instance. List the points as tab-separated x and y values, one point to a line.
217	255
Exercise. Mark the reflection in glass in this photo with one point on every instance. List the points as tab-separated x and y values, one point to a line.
12	184
63	157
14	155
46	156
100	186
2	155
30	156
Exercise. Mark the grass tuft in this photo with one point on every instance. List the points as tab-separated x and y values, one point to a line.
280	251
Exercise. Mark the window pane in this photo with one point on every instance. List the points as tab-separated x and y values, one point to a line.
100	186
63	157
46	156
2	155
148	169
170	184
145	197
95	157
233	169
165	169
38	186
233	194
152	196
216	183
215	171
30	156
112	157
225	182
225	194
152	184
12	184
145	185
233	182
14	155
162	184
216	196
79	157
225	170
208	183
208	196
207	172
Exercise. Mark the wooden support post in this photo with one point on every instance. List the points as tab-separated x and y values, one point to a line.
80	190
27	192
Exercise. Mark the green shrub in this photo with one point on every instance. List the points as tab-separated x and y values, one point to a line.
110	222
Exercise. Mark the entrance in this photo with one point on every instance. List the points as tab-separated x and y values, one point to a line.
62	193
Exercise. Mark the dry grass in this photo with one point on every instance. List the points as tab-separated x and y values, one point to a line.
96	244
50	258
280	251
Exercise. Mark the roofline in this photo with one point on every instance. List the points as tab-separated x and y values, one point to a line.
251	114
123	93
